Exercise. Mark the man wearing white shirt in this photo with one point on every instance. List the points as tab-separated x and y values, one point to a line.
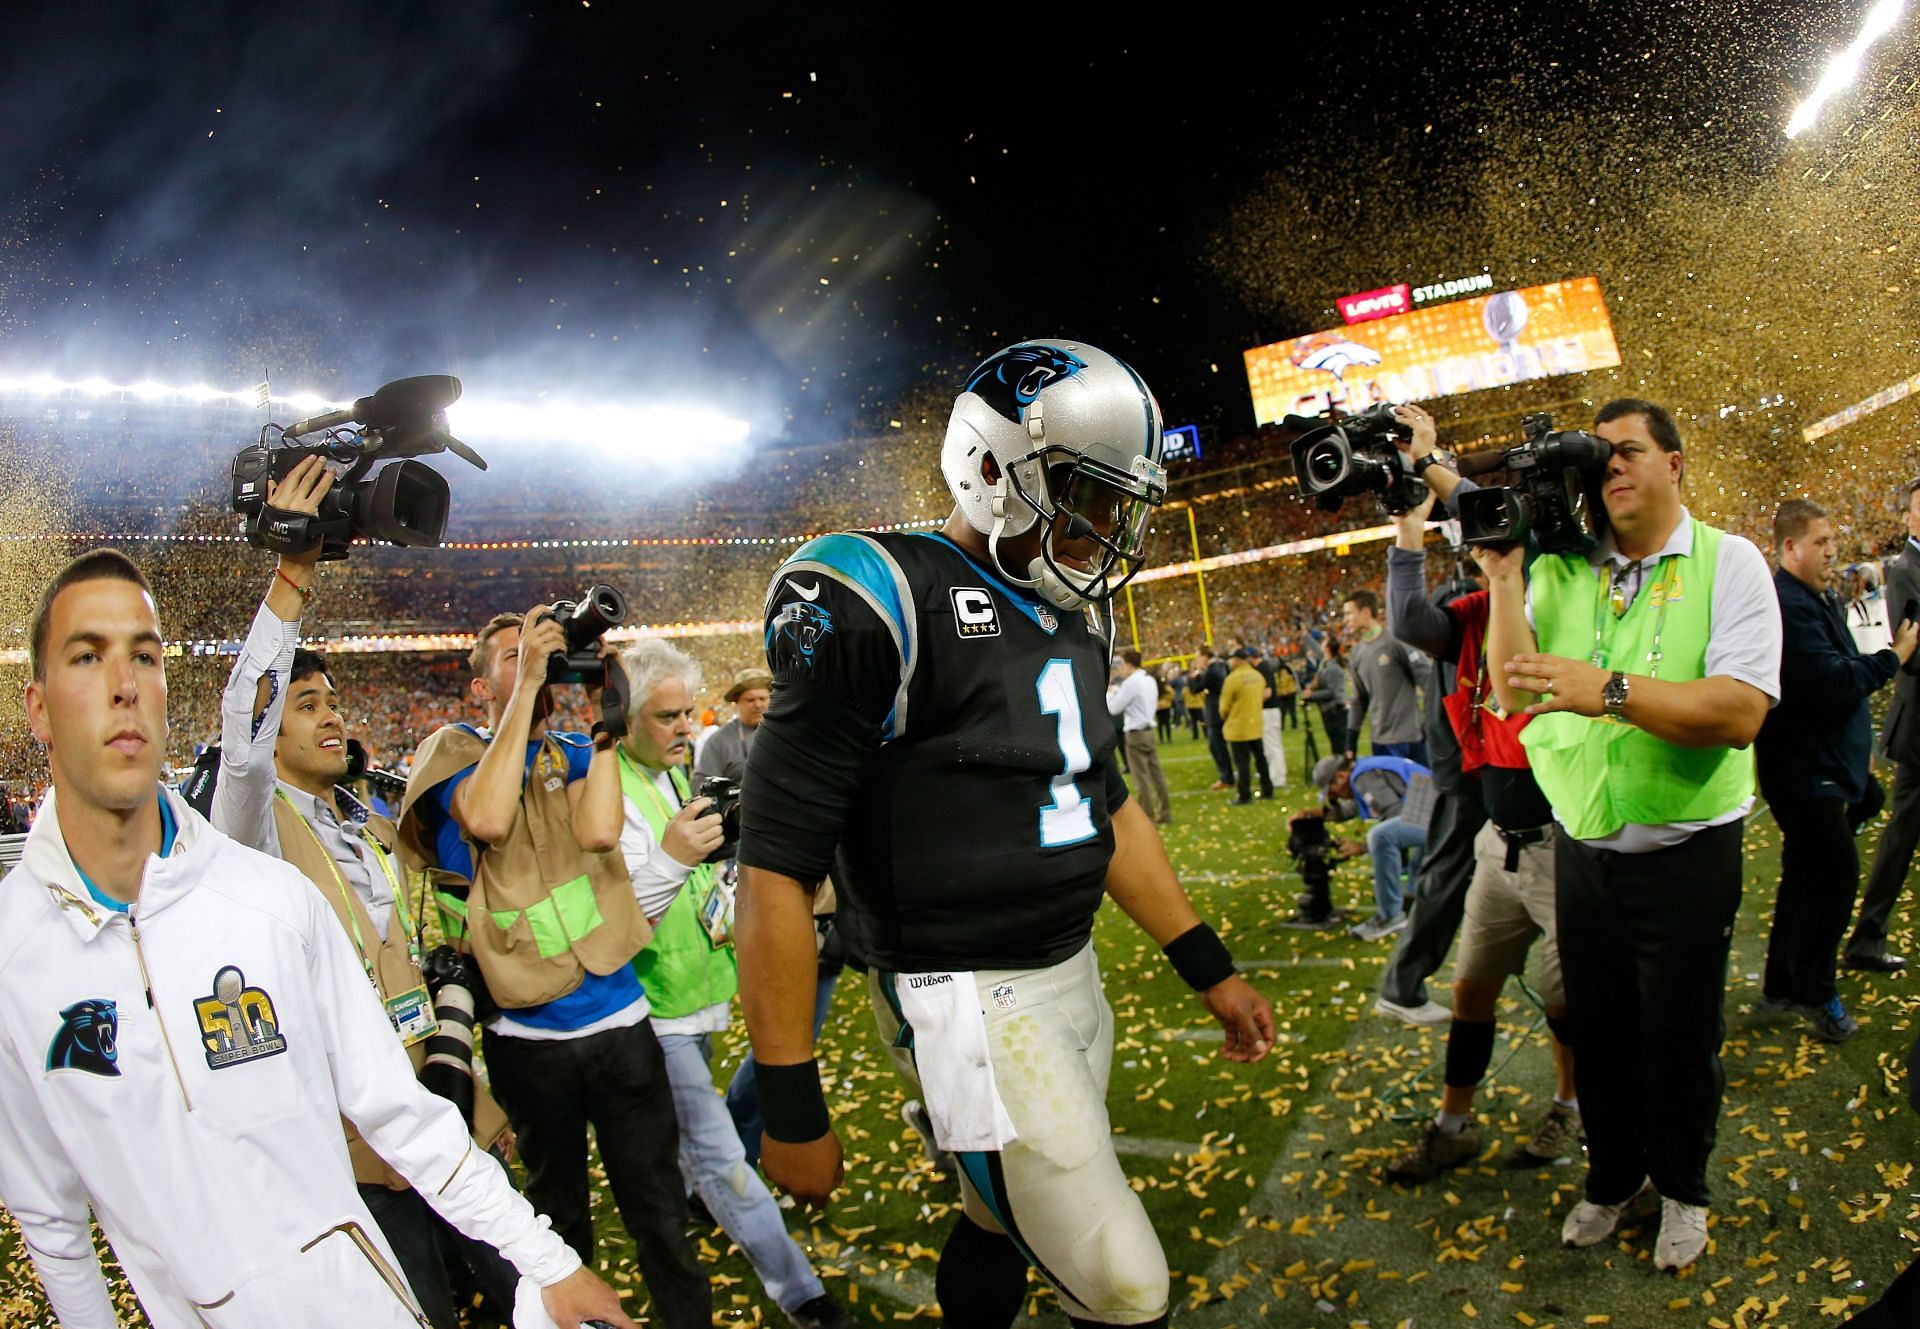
1131	700
689	971
283	754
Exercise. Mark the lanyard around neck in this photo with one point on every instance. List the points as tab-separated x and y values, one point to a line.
646	782
1660	587
346	891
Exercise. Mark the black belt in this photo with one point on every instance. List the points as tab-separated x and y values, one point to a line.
1518	840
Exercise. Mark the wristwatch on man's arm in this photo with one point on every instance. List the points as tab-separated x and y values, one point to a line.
1613	696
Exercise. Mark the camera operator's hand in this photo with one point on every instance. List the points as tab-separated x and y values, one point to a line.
542	638
1410	527
300	493
1424	431
1500	564
1562	683
693	833
1352	848
808	1172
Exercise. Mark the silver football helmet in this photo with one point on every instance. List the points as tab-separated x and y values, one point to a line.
1077	439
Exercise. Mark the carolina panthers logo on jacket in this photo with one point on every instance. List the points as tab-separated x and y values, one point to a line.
88	1039
237	1022
1010	381
801	625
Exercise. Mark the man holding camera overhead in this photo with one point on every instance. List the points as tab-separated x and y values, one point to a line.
1649	665
519	828
283	754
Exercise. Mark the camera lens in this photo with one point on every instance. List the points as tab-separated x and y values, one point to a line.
1326	462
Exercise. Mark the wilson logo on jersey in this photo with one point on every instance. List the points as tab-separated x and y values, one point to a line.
88	1039
973	612
801	625
1010	381
237	1022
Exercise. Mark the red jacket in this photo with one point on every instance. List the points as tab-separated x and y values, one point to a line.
1486	739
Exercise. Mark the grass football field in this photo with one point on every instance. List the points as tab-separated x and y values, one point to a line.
1265	1182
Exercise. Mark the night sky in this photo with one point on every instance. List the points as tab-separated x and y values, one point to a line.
798	219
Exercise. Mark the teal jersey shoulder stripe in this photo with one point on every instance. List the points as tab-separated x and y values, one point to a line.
866	568
866	565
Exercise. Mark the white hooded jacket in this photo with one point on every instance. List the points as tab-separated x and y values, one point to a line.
183	1069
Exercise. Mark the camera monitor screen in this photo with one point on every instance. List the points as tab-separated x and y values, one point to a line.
1463	346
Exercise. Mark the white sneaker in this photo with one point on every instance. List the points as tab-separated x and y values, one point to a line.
1428	1012
1683	1235
1589	1224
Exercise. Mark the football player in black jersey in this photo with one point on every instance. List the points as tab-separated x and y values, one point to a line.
939	740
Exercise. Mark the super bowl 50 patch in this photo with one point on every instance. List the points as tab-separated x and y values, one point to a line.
237	1022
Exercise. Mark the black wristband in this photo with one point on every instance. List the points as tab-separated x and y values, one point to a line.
1200	957
792	1105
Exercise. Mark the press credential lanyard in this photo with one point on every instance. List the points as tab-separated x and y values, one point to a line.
1661	590
401	912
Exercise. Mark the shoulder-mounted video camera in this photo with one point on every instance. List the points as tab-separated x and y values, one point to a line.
1340	457
1555	479
405	504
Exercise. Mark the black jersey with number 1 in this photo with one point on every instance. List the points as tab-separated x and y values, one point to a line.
940	740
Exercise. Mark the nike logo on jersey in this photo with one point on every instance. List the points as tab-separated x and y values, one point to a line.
808	593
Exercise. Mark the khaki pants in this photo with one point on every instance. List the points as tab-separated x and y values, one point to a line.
1149	781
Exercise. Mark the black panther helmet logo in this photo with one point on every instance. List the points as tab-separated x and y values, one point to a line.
88	1039
1010	380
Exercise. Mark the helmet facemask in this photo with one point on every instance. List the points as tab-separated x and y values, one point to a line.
1077	498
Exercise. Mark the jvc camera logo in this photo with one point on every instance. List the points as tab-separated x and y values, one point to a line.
973	612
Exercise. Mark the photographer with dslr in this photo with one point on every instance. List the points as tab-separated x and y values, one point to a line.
671	842
283	755
1649	664
520	826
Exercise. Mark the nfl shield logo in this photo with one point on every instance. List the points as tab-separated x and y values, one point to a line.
1004	998
1045	615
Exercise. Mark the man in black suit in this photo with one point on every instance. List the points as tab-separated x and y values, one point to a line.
1900	744
1814	754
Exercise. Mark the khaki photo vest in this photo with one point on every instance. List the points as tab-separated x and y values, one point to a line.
394	971
541	913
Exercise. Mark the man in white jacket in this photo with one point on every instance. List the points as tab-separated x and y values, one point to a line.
182	1026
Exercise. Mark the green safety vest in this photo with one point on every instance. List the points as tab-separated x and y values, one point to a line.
1602	774
681	969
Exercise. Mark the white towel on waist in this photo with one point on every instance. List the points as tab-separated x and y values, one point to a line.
950	1053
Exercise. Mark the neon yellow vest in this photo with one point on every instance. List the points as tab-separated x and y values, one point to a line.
681	969
1602	774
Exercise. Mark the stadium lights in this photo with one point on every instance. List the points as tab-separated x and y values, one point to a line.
1845	67
616	428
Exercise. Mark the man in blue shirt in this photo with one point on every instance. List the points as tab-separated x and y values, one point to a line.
554	925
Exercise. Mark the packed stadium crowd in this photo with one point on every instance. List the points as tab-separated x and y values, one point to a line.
667	843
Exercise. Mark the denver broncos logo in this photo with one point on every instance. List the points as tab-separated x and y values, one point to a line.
801	625
88	1038
1332	352
1010	381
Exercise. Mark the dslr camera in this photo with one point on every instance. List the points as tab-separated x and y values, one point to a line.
725	794
405	504
585	621
1556	477
1340	457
